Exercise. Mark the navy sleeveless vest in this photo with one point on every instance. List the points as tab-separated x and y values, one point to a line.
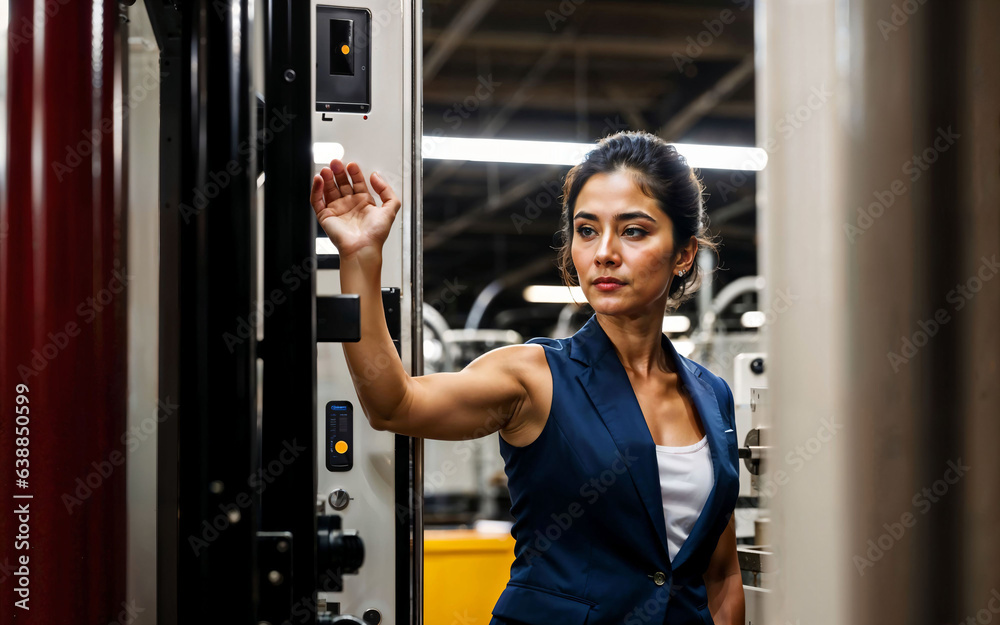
591	544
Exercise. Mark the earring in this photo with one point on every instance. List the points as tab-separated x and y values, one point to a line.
680	273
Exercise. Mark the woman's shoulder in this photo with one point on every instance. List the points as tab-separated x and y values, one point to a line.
526	361
547	342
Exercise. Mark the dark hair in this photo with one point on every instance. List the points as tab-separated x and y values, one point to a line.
662	174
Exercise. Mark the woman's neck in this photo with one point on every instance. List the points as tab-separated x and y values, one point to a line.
638	343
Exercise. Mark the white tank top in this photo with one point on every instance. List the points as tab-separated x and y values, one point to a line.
686	479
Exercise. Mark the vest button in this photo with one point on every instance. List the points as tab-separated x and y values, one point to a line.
659	578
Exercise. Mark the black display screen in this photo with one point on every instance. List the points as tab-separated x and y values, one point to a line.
339	436
343	60
341	47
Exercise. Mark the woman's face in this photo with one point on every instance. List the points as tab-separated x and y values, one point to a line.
621	233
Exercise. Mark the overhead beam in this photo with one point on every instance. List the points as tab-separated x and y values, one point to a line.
703	104
633	10
634	47
552	97
450	93
746	109
461	25
471	217
627	106
493	227
742	206
513	103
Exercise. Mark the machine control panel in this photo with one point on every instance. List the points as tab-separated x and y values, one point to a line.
339	436
343	60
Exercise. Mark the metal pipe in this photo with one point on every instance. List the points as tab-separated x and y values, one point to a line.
64	288
878	213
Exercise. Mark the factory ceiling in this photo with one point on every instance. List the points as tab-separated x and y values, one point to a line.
574	70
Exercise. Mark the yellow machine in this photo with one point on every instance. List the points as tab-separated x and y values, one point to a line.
464	573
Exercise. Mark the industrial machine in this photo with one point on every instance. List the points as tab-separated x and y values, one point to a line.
366	108
276	501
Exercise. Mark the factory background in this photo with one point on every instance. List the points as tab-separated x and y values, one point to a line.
173	316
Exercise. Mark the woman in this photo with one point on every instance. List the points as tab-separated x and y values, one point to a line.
621	454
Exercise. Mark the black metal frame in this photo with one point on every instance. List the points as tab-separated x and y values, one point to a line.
289	384
215	448
167	28
207	450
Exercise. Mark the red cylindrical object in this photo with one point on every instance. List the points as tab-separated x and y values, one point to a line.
63	318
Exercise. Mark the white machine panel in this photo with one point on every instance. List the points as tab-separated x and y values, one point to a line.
749	371
372	125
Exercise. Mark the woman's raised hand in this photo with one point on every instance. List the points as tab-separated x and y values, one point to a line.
347	212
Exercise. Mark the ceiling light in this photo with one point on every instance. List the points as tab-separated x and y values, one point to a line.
325	246
565	153
676	324
323	152
684	348
556	152
554	294
752	319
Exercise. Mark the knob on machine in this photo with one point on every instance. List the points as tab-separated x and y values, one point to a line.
339	499
337	552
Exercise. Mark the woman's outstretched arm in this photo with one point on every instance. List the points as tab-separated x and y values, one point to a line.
488	395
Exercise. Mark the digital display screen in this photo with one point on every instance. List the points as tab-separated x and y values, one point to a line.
339	436
341	47
343	60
